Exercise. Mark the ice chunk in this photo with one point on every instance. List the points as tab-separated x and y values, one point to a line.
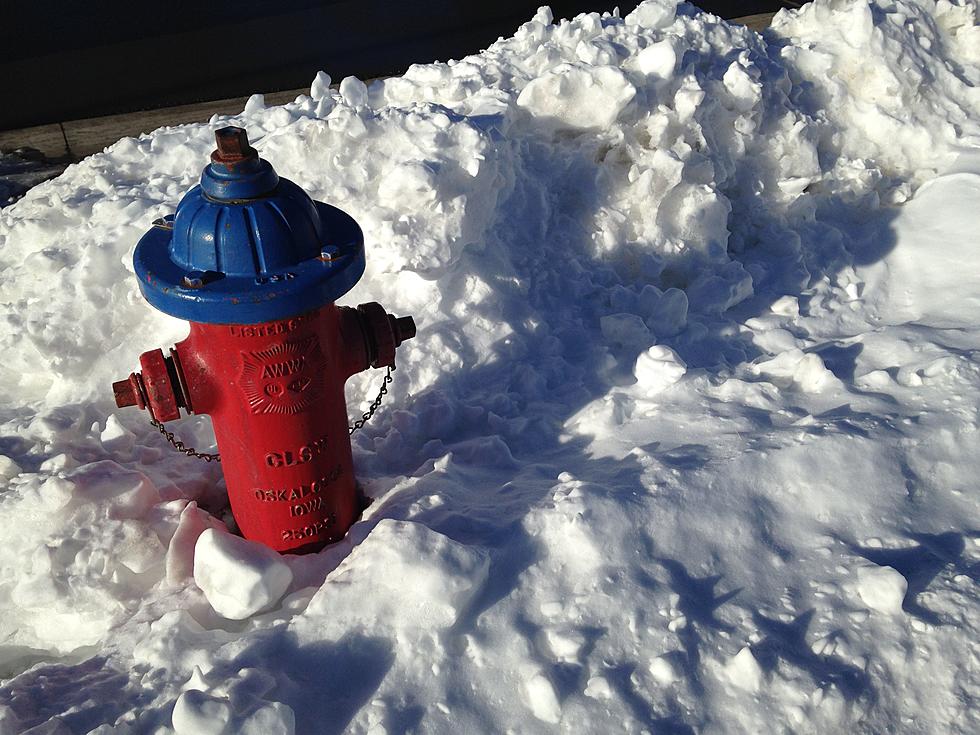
665	311
578	96
238	577
717	290
56	492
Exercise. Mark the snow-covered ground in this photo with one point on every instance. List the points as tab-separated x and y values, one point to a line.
687	441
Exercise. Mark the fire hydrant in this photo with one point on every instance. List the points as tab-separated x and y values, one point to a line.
255	265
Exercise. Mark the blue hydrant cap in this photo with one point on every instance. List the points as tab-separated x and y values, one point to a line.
247	246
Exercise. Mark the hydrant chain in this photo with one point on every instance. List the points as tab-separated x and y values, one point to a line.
365	417
359	424
181	447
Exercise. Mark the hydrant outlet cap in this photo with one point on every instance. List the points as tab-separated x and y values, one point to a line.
247	246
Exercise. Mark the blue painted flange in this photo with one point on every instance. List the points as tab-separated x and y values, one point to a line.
247	246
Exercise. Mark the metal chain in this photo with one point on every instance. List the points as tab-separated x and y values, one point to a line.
365	417
181	447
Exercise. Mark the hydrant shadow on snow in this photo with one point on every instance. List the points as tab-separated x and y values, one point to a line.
325	683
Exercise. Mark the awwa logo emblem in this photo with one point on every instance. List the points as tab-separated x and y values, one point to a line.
286	378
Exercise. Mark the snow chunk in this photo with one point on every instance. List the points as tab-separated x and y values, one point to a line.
795	370
598	687
664	670
881	588
8	468
658	59
320	89
116	437
413	576
275	718
544	16
238	577
744	671
123	493
653	14
254	104
542	698
578	96
354	91
197	713
180	554
894	100
627	330
565	643
658	368
933	271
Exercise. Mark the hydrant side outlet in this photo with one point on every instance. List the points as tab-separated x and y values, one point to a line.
255	265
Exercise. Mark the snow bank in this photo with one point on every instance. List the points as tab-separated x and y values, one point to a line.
691	392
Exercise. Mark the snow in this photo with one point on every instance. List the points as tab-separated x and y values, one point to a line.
196	712
238	578
578	96
882	588
686	441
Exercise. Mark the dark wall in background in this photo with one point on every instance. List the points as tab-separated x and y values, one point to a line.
85	59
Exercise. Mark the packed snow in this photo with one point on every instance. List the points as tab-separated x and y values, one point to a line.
686	441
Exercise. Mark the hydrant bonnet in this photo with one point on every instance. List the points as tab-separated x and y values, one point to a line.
247	246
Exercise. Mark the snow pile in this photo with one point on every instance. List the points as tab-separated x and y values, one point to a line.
686	439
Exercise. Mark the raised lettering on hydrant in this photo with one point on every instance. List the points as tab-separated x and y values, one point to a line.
255	266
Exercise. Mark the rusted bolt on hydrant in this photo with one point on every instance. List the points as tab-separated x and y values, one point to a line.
255	266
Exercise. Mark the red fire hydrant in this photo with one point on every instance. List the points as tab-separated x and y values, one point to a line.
255	265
